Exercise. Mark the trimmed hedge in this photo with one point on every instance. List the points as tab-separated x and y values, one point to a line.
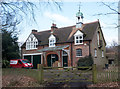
85	61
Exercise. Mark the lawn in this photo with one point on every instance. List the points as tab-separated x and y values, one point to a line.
29	77
19	77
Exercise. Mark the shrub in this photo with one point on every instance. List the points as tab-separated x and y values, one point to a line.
85	61
5	64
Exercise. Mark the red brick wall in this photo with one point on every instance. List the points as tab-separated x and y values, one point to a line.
85	52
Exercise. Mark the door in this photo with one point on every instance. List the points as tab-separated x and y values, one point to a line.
65	58
51	58
54	58
65	61
28	57
36	60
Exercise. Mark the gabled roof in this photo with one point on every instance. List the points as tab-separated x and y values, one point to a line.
63	34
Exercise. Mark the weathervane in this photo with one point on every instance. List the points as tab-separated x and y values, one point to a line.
79	5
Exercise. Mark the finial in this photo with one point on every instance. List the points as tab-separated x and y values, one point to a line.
79	5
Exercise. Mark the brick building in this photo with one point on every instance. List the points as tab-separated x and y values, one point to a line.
65	46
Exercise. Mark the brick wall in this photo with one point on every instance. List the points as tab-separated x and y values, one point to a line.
72	46
99	60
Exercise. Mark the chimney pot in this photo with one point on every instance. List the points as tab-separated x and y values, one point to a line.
34	30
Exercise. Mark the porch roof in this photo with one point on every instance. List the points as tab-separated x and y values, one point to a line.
53	48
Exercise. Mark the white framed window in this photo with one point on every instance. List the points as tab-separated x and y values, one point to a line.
78	52
78	38
95	52
52	41
102	53
31	42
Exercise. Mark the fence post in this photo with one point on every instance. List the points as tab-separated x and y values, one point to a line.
94	73
40	72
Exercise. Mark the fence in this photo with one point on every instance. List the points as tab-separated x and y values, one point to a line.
107	76
67	74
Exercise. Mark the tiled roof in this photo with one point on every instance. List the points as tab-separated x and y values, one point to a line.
63	34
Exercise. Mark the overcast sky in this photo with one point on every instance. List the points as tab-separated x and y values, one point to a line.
46	15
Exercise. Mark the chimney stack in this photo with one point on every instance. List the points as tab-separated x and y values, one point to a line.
53	27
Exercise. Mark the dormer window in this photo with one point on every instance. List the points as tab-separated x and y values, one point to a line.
78	38
31	42
52	41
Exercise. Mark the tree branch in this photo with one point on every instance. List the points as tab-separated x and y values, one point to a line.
117	12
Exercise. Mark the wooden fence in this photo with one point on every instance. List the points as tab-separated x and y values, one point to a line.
107	76
67	74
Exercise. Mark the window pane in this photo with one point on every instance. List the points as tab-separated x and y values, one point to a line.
80	37
81	41
95	52
76	37
77	41
50	40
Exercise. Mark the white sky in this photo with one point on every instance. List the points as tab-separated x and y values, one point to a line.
46	15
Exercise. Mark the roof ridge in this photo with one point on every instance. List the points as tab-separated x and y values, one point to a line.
91	22
44	31
58	28
66	27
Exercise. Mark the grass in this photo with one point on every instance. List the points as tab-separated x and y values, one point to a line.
109	75
20	72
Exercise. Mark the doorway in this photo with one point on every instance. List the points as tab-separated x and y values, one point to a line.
65	58
51	58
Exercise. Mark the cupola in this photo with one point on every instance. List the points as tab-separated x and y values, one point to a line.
80	17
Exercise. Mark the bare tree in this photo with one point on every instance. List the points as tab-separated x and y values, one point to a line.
12	13
112	10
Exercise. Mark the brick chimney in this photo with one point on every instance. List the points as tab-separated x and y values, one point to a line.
53	28
34	31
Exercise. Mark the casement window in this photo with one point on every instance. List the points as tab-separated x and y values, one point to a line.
95	52
78	52
31	42
52	41
102	53
78	38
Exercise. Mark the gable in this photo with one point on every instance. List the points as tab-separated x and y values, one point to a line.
78	33
52	37
31	38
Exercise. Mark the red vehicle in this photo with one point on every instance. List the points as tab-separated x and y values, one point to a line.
20	63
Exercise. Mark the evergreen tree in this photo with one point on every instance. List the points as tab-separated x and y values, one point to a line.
10	48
